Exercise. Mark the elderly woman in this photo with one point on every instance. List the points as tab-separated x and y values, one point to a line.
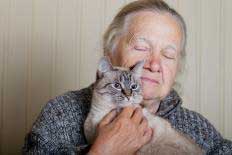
143	30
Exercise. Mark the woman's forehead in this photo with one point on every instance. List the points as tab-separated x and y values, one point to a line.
152	26
150	19
150	41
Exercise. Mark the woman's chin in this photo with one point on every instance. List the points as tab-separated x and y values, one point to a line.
150	94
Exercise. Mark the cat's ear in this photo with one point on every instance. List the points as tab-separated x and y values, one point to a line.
138	68
104	66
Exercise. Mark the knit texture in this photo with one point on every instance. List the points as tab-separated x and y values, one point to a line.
59	127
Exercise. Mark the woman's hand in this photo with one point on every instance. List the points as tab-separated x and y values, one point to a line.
121	135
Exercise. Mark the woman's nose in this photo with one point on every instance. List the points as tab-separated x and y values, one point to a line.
153	63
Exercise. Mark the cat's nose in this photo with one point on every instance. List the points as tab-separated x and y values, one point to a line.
127	93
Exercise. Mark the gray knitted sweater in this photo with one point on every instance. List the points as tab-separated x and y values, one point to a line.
59	127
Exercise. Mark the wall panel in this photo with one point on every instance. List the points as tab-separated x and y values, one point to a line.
110	10
4	20
173	3
42	62
15	76
227	85
66	72
91	32
210	61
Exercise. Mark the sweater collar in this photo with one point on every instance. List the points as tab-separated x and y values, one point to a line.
169	104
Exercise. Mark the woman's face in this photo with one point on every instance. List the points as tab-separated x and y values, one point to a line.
155	38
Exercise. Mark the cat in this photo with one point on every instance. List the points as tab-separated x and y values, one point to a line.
118	87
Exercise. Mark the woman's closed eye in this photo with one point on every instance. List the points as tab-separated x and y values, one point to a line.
169	54
141	48
140	44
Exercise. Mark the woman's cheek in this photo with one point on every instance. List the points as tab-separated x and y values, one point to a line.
169	69
138	56
168	78
131	58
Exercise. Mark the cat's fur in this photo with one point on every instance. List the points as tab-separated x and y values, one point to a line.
106	96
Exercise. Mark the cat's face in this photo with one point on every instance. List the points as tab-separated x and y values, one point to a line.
119	85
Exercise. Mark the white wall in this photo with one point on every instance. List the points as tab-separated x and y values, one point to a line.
50	46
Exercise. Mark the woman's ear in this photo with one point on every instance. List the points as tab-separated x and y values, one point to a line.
104	66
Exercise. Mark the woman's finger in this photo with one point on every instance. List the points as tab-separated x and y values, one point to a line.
137	116
127	112
147	136
108	118
144	125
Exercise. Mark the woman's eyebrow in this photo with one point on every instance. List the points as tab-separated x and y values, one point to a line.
141	38
134	38
144	40
173	47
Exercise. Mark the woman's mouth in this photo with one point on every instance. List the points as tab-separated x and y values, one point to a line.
149	80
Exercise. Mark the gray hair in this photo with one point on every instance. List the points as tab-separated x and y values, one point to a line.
115	29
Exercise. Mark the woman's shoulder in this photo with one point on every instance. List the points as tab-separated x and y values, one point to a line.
70	102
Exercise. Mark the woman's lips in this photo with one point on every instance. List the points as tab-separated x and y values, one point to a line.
149	80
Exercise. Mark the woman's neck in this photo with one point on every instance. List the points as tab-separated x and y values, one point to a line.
151	105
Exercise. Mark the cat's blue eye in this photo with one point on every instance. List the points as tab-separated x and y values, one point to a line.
117	86
134	86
